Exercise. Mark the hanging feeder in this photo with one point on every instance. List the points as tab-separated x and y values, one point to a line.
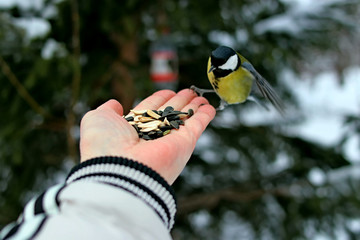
164	64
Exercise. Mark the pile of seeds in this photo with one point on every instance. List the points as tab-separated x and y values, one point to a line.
152	124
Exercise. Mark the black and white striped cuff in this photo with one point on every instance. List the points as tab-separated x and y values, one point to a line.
133	177
34	215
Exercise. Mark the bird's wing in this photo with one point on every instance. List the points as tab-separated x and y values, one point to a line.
265	88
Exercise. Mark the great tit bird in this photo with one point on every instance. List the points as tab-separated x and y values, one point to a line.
232	77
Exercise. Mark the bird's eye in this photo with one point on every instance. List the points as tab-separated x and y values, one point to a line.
216	62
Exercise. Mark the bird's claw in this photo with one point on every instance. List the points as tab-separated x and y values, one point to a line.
222	105
196	90
201	91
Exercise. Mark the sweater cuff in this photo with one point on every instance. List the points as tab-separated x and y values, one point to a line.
133	177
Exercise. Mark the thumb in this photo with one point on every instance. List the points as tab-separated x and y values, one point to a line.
113	105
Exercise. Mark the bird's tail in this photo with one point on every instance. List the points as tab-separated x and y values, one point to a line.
258	101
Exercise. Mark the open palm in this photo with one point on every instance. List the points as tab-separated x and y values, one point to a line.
104	132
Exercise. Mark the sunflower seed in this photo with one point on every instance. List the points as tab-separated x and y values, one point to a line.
138	112
169	109
136	118
146	137
166	132
166	121
148	129
149	124
153	114
129	118
136	128
152	124
173	117
190	112
145	119
164	128
174	124
159	133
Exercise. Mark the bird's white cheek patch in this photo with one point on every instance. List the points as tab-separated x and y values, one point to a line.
230	64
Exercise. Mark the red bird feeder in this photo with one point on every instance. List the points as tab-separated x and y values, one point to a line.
164	64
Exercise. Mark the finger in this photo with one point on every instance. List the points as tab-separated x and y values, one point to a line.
197	123
113	105
195	104
193	128
156	100
180	100
191	125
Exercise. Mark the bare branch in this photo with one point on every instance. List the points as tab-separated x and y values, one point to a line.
211	200
71	118
6	70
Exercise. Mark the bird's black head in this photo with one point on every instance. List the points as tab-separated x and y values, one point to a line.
224	60
220	55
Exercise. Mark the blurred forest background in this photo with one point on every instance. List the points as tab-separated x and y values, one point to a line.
252	176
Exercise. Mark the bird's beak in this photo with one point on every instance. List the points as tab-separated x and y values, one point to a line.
212	68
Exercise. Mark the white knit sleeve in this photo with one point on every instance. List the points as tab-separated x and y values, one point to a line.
103	198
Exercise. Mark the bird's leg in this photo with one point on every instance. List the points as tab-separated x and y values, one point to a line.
201	91
222	105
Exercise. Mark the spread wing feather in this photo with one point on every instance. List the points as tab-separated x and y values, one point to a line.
265	88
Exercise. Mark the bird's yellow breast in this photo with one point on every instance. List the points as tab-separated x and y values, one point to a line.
233	88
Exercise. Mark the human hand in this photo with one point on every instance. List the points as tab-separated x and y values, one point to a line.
104	132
